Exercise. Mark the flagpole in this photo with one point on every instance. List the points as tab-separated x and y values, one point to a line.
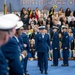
5	7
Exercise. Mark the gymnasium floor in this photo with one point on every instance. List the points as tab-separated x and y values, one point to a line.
59	70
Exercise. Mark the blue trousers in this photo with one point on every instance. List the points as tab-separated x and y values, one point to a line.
65	56
55	56
25	64
43	60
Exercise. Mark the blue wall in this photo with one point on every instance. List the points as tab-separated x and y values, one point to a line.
17	5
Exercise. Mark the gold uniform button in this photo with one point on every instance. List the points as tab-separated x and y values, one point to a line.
8	68
7	60
20	58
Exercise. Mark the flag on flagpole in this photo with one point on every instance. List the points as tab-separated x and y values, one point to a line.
5	7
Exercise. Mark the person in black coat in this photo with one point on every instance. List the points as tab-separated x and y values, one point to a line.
67	12
74	13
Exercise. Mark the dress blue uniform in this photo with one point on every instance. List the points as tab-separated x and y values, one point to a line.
3	64
42	43
11	52
55	47
65	46
6	23
24	40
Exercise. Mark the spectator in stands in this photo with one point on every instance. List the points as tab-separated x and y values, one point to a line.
61	10
49	31
50	52
70	17
55	23
46	11
64	21
60	46
33	21
49	22
55	15
35	31
34	14
72	23
72	26
67	12
43	15
74	13
37	11
51	12
61	16
74	49
44	23
25	20
40	21
22	12
30	30
32	49
29	11
71	38
59	22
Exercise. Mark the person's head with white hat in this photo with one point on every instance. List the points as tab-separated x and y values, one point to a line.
41	27
64	28
12	17
55	28
18	28
6	25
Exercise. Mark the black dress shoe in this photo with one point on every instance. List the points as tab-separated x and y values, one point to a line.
64	65
26	70
54	65
41	72
26	74
46	72
40	69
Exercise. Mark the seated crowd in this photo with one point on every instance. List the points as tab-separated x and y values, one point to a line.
32	19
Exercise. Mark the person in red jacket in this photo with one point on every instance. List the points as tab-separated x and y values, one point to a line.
34	15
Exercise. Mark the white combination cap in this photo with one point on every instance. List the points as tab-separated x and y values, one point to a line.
6	24
19	24
12	17
63	26
55	27
41	27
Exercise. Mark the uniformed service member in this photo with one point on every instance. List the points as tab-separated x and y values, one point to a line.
55	46
65	46
11	52
21	44
42	43
5	26
26	46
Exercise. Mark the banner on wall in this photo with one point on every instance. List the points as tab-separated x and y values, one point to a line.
17	5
